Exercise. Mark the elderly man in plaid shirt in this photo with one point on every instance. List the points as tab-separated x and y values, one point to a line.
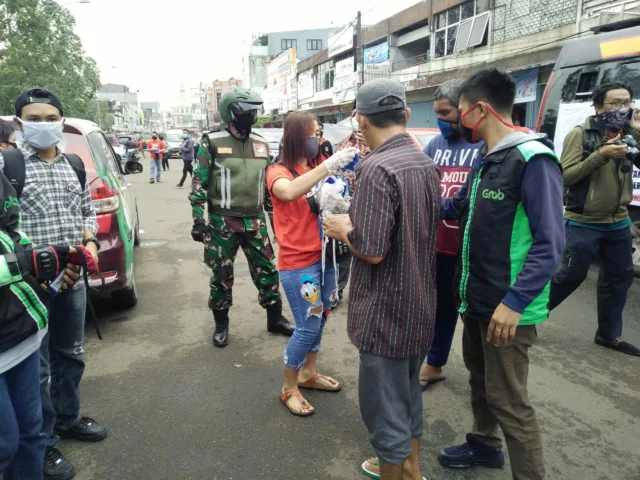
56	209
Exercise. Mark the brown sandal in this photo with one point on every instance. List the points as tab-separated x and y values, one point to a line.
312	384
284	398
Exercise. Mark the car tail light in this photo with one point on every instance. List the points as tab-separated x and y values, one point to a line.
543	102
104	197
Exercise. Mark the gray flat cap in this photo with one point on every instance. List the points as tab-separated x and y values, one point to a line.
380	95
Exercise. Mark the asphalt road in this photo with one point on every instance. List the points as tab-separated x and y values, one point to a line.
177	408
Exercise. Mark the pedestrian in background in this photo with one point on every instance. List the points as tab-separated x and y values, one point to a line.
391	230
187	157
513	235
300	255
155	147
598	173
164	155
355	139
56	210
7	136
325	149
454	157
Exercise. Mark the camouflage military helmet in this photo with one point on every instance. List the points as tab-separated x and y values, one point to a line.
239	100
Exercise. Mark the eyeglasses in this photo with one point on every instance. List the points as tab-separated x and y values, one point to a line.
620	104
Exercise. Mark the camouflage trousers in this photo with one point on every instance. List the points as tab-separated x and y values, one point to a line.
220	255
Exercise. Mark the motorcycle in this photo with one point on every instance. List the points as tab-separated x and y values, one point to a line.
133	165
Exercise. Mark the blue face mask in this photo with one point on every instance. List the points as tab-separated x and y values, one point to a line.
447	130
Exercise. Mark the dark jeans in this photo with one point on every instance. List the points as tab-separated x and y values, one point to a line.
446	311
22	444
614	279
62	362
344	270
165	162
500	396
187	168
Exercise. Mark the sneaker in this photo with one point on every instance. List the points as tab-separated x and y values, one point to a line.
152	181
471	453
619	345
86	430
56	467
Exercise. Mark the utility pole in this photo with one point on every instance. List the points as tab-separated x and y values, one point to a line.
360	49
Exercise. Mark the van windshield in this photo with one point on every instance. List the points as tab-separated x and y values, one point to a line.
174	137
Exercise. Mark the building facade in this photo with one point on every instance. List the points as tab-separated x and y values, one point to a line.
214	93
432	42
122	106
265	47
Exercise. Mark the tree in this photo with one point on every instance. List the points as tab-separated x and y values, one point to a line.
27	28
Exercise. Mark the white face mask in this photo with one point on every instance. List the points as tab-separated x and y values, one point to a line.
354	124
42	135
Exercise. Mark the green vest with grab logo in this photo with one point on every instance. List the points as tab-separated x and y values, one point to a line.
237	174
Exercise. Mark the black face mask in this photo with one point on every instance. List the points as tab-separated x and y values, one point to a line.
465	132
154	138
243	123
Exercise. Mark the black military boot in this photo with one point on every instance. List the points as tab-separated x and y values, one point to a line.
276	323
221	334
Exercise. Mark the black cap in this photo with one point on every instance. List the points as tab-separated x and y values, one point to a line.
37	95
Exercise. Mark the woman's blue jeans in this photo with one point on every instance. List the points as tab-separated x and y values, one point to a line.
310	302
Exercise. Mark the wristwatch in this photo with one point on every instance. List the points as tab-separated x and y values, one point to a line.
92	239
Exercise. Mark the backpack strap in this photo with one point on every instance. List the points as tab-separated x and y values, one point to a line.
14	169
78	167
590	141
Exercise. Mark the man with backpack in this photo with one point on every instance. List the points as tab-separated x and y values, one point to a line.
56	209
597	168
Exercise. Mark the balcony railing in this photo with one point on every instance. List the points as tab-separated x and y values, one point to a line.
410	62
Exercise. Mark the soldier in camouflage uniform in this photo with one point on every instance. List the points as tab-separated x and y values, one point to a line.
229	178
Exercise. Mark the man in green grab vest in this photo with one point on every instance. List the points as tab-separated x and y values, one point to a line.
230	180
513	233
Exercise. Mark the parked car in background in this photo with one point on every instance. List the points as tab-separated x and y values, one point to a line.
173	139
423	135
114	202
273	136
120	151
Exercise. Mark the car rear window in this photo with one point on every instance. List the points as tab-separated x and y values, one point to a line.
76	143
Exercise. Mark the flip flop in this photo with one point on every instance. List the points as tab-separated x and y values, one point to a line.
312	384
371	474
431	381
284	398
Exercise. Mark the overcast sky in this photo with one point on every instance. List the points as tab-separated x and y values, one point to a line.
154	48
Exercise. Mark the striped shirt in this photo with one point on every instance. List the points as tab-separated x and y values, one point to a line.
395	212
55	208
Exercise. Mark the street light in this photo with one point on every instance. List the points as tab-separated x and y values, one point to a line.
55	10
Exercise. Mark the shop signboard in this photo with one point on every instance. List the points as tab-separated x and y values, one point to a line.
526	86
376	54
341	40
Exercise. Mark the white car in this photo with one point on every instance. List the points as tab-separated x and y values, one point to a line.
121	152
